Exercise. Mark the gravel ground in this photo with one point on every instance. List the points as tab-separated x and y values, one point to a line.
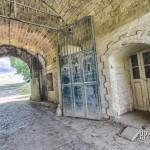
26	125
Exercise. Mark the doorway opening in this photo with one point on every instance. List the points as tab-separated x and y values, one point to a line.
15	80
129	77
36	64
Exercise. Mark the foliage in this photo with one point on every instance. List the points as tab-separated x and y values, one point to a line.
21	68
24	89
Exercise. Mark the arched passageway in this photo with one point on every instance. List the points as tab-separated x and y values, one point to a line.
36	64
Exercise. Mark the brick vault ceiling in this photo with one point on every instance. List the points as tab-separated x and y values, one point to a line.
108	14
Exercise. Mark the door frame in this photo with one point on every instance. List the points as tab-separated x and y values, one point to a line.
142	79
145	80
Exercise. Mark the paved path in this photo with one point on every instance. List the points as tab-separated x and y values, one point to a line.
9	93
28	125
8	90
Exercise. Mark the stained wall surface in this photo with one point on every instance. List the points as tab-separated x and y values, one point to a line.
120	26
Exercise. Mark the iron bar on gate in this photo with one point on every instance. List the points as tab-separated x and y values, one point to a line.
77	52
28	22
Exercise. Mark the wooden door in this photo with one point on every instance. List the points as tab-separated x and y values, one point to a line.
140	68
145	56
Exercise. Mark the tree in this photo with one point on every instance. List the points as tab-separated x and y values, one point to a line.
21	68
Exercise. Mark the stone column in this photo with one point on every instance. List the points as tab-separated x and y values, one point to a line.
35	87
35	81
59	111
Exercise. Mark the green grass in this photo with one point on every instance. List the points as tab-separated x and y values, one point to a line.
24	88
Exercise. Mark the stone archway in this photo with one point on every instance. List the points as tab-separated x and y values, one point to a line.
36	64
120	79
114	51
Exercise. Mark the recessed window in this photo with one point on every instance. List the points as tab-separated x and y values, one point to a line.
50	82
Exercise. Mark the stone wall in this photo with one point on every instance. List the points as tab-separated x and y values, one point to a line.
108	14
52	76
127	39
120	28
115	87
118	13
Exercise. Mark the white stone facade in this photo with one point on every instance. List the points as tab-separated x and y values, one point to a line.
113	51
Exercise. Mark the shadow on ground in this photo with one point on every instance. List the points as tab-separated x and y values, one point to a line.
26	125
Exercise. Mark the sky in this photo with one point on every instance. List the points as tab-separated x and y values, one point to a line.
7	73
5	66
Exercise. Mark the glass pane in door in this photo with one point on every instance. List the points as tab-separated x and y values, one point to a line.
89	65
76	68
135	67
78	96
67	98
134	61
146	57
147	71
92	98
65	70
136	73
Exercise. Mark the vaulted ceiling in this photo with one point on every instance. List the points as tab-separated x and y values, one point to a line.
108	14
33	23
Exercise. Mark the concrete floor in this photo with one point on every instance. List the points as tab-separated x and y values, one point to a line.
26	125
136	119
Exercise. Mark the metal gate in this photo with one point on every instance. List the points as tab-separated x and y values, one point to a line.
78	68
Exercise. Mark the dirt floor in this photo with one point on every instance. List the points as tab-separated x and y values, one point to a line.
26	125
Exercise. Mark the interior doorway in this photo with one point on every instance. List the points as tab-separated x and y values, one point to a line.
130	84
124	87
